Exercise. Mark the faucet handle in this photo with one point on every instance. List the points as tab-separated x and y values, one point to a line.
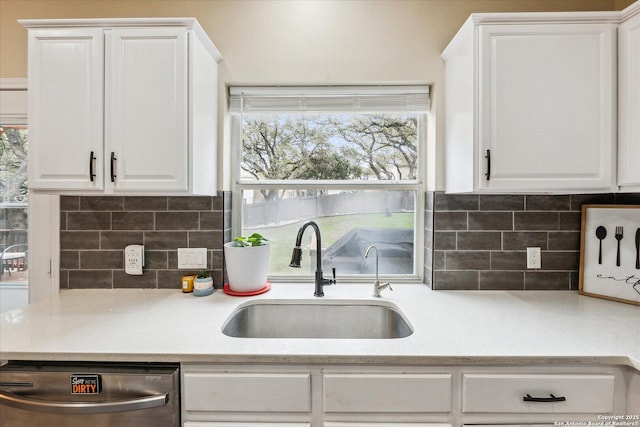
377	287
333	271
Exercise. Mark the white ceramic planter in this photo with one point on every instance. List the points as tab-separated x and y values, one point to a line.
247	267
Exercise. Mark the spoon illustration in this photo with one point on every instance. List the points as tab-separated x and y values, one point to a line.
601	233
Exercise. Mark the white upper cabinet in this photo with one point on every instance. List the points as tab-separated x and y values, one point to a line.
122	107
629	99
530	103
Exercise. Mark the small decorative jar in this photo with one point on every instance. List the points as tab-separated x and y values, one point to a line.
187	283
203	284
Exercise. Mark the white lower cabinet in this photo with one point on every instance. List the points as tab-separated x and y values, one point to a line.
387	393
509	425
234	424
247	392
517	393
299	395
357	424
246	396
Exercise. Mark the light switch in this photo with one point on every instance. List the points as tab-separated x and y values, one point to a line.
192	258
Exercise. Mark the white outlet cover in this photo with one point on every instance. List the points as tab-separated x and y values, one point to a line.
533	258
192	258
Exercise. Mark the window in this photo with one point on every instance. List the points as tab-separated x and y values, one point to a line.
13	187
348	158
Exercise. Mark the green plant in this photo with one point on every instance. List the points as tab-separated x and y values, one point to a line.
256	239
203	274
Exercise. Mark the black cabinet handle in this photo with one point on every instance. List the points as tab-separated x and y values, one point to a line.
113	167
550	399
92	174
488	157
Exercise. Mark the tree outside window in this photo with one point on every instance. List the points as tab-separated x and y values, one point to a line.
13	164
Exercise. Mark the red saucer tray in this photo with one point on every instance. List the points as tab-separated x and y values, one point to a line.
227	290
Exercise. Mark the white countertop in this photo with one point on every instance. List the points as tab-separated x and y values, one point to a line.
450	327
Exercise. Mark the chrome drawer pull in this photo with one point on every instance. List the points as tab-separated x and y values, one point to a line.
550	399
82	408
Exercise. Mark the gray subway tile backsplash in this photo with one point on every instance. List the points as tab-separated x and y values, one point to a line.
146	203
450	220
521	240
480	241
133	220
455	280
547	280
490	220
535	220
95	230
495	280
508	260
468	260
472	241
548	203
502	203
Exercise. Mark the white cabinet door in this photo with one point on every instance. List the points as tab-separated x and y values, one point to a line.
66	109
547	106
146	109
629	102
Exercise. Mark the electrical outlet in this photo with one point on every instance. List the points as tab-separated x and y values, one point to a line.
533	258
134	259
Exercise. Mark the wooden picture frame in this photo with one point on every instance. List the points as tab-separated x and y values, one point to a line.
606	271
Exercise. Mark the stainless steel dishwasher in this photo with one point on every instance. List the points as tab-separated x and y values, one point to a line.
97	395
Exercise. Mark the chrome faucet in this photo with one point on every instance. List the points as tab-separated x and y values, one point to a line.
296	257
377	287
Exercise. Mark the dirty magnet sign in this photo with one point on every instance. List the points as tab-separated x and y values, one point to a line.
85	384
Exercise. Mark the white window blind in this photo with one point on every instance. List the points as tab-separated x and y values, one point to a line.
13	101
318	99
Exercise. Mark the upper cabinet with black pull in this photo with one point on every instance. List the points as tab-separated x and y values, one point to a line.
530	103
122	106
629	99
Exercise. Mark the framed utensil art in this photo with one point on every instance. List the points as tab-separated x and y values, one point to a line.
610	252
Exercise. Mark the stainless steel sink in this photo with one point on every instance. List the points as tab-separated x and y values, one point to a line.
311	319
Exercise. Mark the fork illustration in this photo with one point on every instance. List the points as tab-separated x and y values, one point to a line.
618	236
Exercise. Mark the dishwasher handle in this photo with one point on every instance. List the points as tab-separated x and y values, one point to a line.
82	408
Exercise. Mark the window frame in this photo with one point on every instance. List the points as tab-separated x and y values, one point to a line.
417	185
43	211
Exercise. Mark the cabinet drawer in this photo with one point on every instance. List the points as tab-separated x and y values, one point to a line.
238	424
392	424
522	393
387	393
250	392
